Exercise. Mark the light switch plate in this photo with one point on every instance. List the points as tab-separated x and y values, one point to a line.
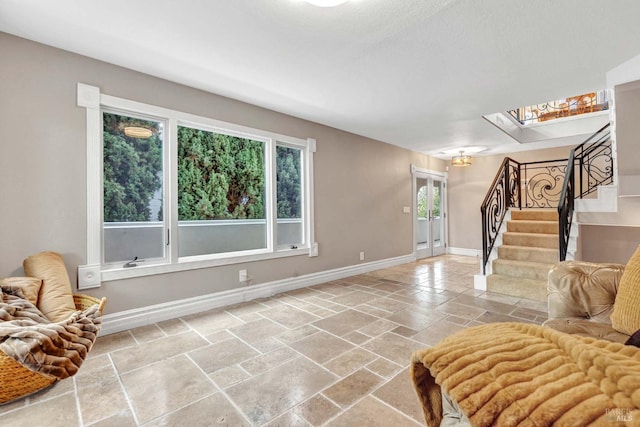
406	209
89	276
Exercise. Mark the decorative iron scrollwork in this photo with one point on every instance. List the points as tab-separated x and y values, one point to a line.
547	184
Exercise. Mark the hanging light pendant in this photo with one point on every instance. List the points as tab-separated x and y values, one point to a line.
138	132
461	160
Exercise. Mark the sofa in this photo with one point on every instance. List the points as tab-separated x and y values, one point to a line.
581	367
581	297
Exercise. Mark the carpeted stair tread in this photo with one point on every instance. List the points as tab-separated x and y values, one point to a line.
537	240
522	269
535	214
525	253
532	226
518	287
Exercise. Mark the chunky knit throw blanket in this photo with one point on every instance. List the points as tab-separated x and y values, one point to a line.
514	374
54	349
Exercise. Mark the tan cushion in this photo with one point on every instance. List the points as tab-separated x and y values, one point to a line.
626	310
583	289
28	286
55	299
586	328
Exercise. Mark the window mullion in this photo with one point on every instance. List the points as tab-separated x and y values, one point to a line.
171	201
309	197
270	195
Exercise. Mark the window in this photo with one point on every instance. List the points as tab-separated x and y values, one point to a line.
170	191
221	193
289	196
132	189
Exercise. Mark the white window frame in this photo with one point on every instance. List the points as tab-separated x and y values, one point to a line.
94	271
166	179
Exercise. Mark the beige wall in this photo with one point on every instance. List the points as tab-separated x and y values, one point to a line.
361	185
468	187
608	243
627	103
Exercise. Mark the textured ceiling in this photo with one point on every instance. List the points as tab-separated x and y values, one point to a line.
415	73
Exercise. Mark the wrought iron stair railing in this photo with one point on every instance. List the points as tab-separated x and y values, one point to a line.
546	184
594	159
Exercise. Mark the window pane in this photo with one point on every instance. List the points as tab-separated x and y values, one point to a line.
221	193
289	196
132	193
422	202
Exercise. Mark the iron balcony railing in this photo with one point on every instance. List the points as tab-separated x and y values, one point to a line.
568	107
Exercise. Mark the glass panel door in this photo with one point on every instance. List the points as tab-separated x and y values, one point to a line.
430	217
436	220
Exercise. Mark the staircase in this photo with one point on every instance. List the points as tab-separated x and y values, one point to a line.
529	217
529	249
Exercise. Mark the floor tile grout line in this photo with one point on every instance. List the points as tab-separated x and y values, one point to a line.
221	391
395	409
77	399
124	390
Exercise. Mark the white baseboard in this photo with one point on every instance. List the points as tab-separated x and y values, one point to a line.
463	251
116	322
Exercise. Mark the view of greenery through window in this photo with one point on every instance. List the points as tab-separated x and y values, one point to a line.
132	169
288	182
219	176
422	202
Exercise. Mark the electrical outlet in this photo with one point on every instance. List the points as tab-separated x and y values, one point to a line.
361	256
243	276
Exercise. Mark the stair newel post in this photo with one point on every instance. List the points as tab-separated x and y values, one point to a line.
581	166
483	210
507	186
519	181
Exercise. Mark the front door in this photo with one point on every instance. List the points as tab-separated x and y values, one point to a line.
429	214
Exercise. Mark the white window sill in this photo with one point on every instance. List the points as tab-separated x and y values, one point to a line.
192	263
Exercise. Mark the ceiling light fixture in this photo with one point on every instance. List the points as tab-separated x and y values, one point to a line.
461	160
326	3
138	132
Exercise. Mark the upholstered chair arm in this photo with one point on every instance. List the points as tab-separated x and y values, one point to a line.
583	290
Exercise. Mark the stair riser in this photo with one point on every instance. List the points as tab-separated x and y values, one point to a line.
526	272
526	254
534	215
523	288
532	227
536	241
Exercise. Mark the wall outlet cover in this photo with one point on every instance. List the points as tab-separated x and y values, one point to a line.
89	276
313	251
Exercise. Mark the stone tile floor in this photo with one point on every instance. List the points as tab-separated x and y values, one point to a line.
335	354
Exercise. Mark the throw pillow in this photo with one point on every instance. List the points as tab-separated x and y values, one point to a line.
28	286
626	315
55	299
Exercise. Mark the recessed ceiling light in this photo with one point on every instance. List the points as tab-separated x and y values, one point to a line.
326	3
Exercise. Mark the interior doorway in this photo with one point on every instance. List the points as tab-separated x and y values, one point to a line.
430	216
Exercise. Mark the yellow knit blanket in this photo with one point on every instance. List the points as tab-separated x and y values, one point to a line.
515	374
